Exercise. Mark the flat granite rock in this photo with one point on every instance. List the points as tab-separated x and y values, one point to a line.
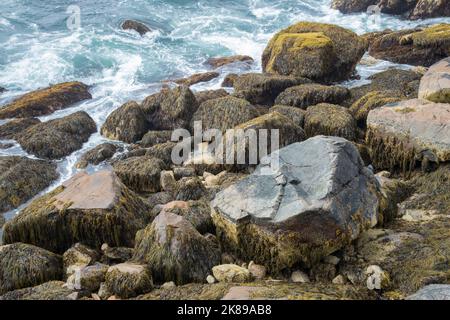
435	84
320	198
398	133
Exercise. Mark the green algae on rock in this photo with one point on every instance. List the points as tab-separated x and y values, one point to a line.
53	290
46	101
76	212
58	138
127	280
23	265
22	178
321	52
13	128
97	155
175	251
330	120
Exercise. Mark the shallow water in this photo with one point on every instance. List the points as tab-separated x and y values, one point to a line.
39	49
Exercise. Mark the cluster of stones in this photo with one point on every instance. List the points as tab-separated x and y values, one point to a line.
150	229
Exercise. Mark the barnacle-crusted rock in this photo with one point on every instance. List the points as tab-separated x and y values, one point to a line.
197	78
52	290
263	89
175	251
128	123
78	212
128	280
317	200
224	113
23	265
141	174
58	138
435	84
97	155
22	178
170	109
306	95
374	99
136	26
321	52
11	129
408	131
206	95
46	101
330	120
222	61
420	46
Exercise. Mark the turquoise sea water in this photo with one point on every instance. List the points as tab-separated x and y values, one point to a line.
37	48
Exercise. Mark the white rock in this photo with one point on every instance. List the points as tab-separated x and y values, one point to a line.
299	277
377	278
210	279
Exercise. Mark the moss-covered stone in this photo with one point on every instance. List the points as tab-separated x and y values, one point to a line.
58	138
23	265
420	46
53	290
11	129
175	251
141	174
76	212
170	109
374	99
263	89
128	123
321	52
22	178
128	280
306	95
330	120
46	101
224	113
97	155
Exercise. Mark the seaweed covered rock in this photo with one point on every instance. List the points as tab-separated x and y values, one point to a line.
410	131
435	84
190	188
23	265
58	138
170	109
224	113
141	174
175	251
318	199
87	278
162	151
127	280
330	120
206	95
222	61
97	155
306	95
258	88
137	26
374	99
13	128
152	138
351	6
79	255
115	255
425	9
197	78
52	290
22	178
231	273
420	46
317	51
296	115
128	123
78	212
46	101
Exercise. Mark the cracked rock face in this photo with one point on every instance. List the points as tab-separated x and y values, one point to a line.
320	198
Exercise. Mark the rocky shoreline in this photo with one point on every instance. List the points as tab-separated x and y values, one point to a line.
359	208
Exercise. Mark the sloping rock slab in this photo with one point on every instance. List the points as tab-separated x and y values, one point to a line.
435	84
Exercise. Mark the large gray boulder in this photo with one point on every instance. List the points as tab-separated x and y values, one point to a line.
320	198
435	84
432	292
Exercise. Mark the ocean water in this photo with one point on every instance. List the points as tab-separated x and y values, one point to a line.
38	48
